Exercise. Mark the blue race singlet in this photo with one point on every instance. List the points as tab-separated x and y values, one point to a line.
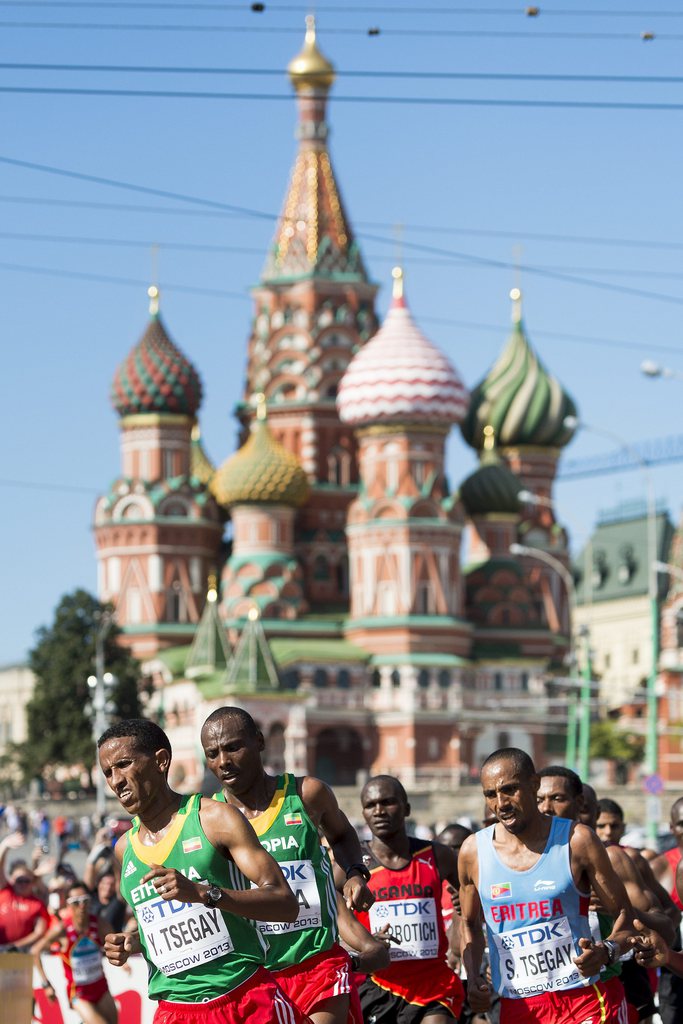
534	918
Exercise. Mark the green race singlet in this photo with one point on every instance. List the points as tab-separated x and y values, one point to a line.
194	953
290	837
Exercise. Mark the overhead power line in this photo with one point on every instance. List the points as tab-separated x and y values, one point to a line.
157	27
415	246
276	8
440	101
441	229
146	243
468	76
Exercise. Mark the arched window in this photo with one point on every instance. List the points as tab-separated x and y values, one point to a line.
321	568
320	678
343	679
423	679
396	678
376	679
289	680
176	605
444	679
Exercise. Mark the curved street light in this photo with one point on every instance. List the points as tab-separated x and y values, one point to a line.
585	694
651	369
652	735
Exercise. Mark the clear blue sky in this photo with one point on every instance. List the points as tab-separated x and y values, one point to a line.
474	180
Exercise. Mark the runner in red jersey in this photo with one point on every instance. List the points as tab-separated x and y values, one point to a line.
81	936
664	868
406	878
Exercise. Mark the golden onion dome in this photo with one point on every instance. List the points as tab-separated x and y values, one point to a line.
310	69
261	472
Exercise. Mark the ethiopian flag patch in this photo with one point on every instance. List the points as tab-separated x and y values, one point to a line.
192	845
293	819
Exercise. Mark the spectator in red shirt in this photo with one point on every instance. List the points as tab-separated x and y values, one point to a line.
23	917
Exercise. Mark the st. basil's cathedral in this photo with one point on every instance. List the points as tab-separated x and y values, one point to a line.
316	577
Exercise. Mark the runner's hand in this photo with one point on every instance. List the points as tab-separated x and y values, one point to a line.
356	894
171	885
383	935
592	958
118	946
650	948
478	995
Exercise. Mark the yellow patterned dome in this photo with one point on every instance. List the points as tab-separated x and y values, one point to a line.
309	69
261	472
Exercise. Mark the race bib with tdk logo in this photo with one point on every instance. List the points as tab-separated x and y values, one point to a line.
413	924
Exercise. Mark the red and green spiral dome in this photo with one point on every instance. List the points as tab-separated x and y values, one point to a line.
156	377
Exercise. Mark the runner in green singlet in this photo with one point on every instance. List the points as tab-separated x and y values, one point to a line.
289	815
196	878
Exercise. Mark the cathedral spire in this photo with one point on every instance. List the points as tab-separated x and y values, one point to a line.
313	238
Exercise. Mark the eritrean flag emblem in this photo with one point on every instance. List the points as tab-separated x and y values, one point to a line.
192	845
500	890
293	819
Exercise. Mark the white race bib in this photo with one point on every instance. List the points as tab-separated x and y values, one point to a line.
413	923
300	876
86	962
537	958
179	936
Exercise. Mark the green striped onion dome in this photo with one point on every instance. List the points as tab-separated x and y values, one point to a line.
491	488
523	403
261	472
156	377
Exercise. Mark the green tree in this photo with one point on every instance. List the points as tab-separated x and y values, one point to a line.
610	742
59	723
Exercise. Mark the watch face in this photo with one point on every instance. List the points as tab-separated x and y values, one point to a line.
213	895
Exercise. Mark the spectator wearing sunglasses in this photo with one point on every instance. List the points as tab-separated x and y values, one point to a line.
80	934
23	917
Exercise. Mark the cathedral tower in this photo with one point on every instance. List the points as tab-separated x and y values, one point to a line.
158	529
527	409
402	396
314	309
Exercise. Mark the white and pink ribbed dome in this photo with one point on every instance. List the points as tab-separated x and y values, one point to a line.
400	376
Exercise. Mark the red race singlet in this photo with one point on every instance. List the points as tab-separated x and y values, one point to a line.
409	900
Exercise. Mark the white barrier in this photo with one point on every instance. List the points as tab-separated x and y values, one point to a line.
128	985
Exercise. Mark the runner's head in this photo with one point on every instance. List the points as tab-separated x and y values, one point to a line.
560	793
676	823
78	900
454	836
233	745
610	825
135	756
510	785
589	814
385	806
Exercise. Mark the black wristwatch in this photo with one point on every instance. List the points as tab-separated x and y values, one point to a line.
213	896
358	869
613	951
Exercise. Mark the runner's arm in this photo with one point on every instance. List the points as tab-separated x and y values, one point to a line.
644	868
641	898
228	830
321	805
589	858
55	932
472	928
372	950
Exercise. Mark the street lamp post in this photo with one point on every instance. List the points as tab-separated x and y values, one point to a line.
585	686
652	738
